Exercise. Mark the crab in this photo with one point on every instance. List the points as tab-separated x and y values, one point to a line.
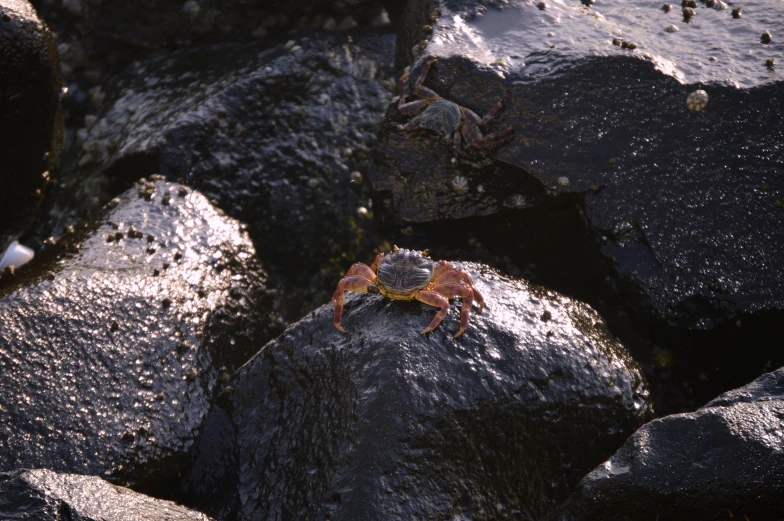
447	117
411	275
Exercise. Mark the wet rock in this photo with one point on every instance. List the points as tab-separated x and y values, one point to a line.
45	495
273	135
683	216
384	423
156	24
29	90
112	351
721	462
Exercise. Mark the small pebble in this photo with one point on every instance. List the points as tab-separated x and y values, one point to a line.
611	161
542	6
736	12
766	37
720	6
191	9
689	3
356	177
563	181
381	19
363	212
770	63
667	8
671	28
712	58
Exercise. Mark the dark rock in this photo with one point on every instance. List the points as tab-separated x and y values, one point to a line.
724	461
29	91
99	375
384	423
272	135
682	216
156	24
44	495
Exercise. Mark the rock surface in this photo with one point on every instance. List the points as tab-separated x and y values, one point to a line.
155	24
272	134
384	423
44	495
685	207
29	90
721	462
111	353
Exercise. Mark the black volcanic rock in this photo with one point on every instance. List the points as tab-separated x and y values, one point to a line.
44	495
384	423
680	212
724	461
29	91
272	134
110	354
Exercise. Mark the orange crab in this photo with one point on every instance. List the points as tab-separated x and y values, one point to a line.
411	275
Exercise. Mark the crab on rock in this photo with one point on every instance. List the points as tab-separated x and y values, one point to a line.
447	117
411	275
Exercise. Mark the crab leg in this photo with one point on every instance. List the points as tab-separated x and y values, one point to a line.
424	71
431	298
411	124
355	283
362	270
376	262
458	276
458	291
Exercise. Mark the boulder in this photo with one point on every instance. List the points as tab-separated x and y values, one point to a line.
384	423
274	135
685	215
723	461
29	91
112	347
45	495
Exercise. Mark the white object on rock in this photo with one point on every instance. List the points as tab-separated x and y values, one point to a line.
16	255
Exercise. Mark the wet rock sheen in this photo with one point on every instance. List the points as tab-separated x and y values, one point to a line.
44	495
720	462
110	353
384	423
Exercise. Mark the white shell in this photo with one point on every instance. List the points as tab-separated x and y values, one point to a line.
671	28
16	255
720	6
697	100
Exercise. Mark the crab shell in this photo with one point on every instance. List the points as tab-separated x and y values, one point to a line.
442	116
401	273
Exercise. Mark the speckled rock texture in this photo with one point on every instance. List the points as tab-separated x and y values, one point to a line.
44	495
273	135
111	353
383	423
685	207
723	461
29	90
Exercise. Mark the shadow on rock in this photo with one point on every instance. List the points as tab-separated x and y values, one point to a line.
384	423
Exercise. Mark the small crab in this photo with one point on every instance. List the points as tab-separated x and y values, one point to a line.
411	275
447	117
